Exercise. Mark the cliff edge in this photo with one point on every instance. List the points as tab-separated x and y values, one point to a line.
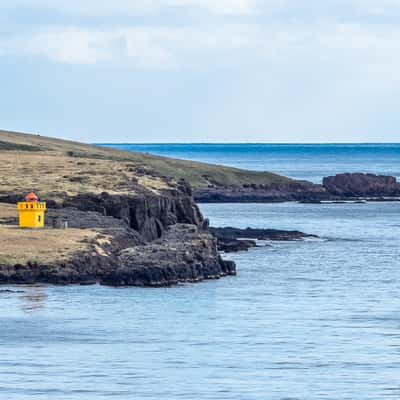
127	223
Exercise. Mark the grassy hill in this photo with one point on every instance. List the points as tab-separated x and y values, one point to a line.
43	155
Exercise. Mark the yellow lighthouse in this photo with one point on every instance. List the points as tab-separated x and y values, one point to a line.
31	212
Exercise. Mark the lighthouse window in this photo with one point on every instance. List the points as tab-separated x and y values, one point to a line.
38	218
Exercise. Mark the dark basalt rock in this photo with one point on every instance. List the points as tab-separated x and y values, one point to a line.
156	240
183	254
293	191
8	291
361	185
334	188
229	234
148	214
235	245
83	267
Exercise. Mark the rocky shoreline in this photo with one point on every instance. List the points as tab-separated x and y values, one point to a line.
182	254
149	240
341	187
162	239
132	218
235	239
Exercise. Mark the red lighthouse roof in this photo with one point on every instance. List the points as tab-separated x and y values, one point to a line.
31	197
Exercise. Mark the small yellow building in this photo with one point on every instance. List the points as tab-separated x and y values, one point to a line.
31	212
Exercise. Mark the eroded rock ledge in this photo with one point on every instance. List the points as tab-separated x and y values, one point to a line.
361	185
234	239
347	186
182	254
254	193
149	240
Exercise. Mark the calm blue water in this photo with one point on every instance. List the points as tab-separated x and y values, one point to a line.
301	161
318	319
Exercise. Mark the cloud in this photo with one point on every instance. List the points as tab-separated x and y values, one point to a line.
365	56
278	9
150	47
218	7
323	44
379	7
133	7
74	46
277	65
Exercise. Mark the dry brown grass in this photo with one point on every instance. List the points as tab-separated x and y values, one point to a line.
53	167
41	245
8	211
50	172
198	174
44	245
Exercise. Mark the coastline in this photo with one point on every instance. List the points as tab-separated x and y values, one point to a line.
129	241
131	225
338	188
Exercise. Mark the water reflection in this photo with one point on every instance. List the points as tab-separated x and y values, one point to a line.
33	299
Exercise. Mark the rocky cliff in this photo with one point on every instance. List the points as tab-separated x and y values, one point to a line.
339	187
127	225
132	219
361	185
182	254
149	213
259	193
153	240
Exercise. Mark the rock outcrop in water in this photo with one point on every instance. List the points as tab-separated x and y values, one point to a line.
253	193
339	187
235	239
361	185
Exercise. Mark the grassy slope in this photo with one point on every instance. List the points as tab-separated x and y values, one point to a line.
198	174
54	168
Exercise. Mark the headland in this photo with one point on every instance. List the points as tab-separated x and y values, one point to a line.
132	218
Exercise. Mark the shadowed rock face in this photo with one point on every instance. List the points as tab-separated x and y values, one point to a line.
152	240
339	187
361	185
294	191
182	254
148	214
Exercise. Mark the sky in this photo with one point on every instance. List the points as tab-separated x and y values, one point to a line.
201	70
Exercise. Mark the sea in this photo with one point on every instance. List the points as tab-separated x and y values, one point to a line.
303	320
299	161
